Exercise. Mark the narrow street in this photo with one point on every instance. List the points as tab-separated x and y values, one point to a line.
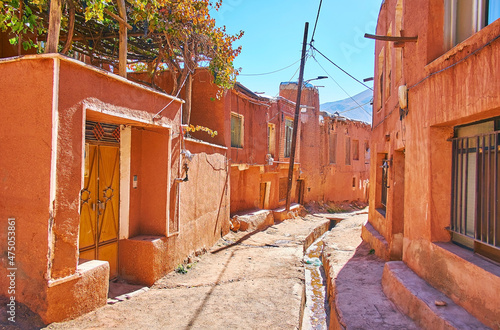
247	281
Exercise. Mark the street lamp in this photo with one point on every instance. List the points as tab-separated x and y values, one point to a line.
317	78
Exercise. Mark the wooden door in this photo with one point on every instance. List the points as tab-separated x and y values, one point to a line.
99	211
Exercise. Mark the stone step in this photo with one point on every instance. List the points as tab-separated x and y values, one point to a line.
428	307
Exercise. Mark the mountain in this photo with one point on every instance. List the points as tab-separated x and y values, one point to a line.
350	109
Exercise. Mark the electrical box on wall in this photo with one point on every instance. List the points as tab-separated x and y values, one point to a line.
134	182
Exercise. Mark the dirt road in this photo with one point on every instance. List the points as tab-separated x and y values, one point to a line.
248	281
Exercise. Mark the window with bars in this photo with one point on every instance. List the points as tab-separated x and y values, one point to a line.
236	130
475	210
288	137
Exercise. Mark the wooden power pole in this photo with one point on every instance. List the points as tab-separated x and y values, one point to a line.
296	120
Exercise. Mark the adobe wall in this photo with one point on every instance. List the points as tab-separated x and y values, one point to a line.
25	169
254	114
325	181
340	181
445	89
246	186
44	130
206	108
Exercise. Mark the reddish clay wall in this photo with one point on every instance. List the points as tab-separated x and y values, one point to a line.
28	114
445	89
25	168
254	114
323	180
206	109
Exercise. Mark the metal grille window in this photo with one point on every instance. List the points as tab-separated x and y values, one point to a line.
288	137
236	130
475	211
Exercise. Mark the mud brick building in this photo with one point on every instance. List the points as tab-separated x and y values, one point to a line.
434	192
334	151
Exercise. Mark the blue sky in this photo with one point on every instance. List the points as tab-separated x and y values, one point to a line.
274	30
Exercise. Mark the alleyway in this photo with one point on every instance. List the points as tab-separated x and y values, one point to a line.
255	280
248	281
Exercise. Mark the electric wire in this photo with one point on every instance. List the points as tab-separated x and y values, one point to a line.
266	73
338	67
316	23
176	96
452	65
331	77
351	109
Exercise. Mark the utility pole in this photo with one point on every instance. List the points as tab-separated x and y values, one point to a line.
296	120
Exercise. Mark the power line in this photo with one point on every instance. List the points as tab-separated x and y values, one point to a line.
331	77
338	67
315	24
351	109
266	73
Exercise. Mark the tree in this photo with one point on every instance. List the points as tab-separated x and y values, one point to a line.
173	35
188	37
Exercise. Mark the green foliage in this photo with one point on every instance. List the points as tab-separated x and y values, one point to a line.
335	209
183	30
20	20
181	269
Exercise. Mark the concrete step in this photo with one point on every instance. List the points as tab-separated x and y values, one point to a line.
428	307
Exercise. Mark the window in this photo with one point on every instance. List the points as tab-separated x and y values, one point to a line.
236	130
466	17
475	211
367	152
333	148
283	188
288	136
348	151
385	171
271	139
355	149
380	69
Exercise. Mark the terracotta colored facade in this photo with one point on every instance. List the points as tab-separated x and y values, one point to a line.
434	170
48	104
259	166
256	182
334	151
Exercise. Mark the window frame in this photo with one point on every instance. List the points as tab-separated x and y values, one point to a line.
271	139
478	15
475	188
332	148
348	150
287	147
355	149
241	119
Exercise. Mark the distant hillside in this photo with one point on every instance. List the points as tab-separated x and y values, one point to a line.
348	108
